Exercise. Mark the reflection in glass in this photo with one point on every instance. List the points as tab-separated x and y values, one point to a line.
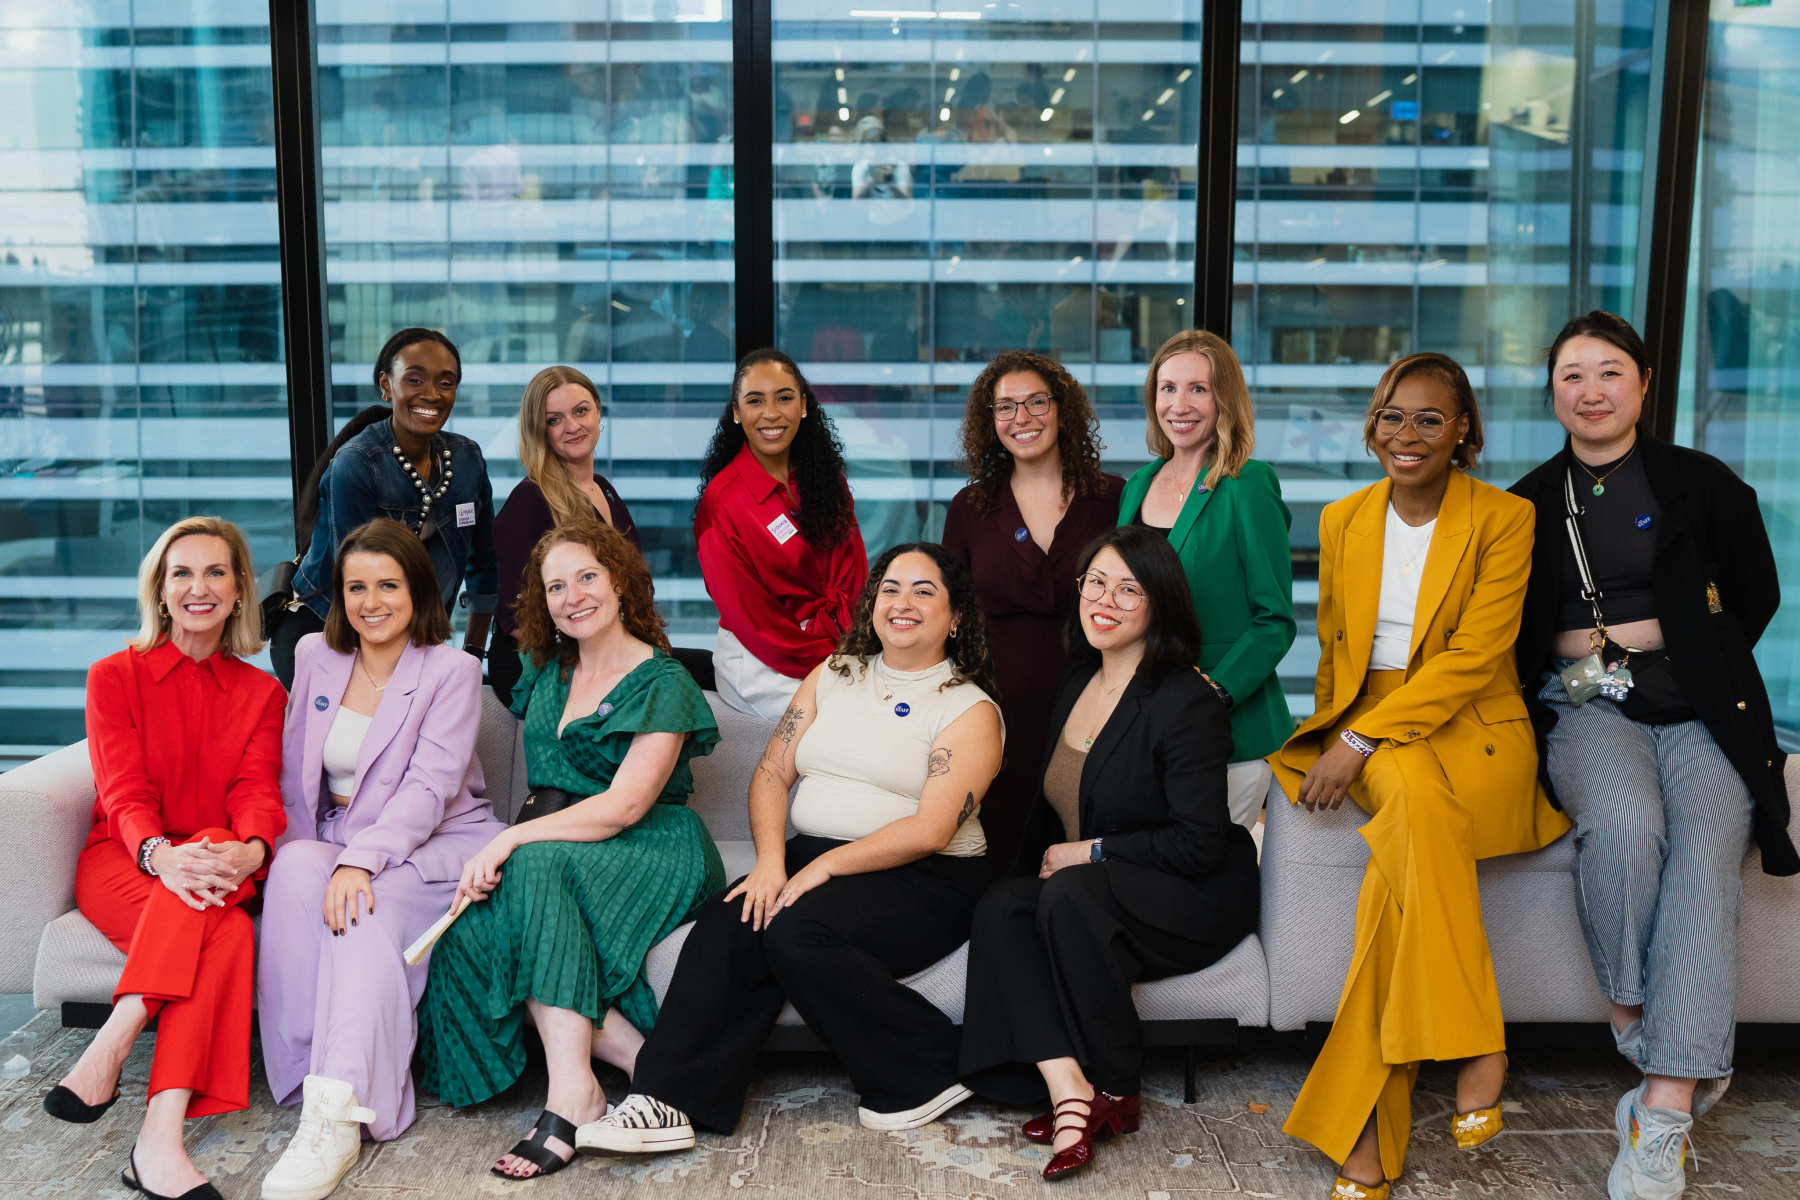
953	184
547	181
1426	175
1740	371
141	376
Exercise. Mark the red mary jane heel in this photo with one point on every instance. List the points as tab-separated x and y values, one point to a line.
1101	1118
1042	1129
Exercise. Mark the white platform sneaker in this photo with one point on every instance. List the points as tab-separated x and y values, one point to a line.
325	1146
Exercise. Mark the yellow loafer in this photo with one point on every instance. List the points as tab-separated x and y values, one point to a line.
1472	1129
1349	1189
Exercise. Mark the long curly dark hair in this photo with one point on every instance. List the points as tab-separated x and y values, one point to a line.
971	658
827	513
536	630
985	457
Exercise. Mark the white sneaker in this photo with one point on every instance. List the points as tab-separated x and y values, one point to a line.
325	1146
1653	1146
913	1118
1707	1093
638	1124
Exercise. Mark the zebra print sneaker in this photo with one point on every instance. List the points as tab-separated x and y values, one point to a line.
638	1124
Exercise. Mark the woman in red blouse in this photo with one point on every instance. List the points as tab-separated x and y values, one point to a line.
185	739
776	530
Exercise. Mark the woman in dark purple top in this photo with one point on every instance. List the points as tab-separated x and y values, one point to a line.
559	427
1036	496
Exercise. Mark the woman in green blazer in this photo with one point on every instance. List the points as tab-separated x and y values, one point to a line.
1225	518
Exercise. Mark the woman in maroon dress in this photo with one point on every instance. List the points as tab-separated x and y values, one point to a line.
1036	496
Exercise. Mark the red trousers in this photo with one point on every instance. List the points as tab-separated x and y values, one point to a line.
193	969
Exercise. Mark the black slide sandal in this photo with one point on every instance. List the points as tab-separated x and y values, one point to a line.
65	1105
205	1191
536	1149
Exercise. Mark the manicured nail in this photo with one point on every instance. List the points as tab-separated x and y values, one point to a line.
353	920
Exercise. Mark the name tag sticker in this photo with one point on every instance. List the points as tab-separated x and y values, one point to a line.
782	528
465	515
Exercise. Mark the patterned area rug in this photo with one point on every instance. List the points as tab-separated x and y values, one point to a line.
799	1137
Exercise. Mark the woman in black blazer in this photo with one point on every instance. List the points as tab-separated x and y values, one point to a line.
1668	777
1131	868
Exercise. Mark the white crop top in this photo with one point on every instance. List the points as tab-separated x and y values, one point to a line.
342	744
1403	553
863	762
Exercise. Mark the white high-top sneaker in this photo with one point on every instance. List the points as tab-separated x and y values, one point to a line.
325	1146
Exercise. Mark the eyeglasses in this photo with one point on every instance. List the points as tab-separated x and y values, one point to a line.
1125	596
1428	424
1037	406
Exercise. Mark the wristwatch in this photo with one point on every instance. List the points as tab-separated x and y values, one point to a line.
1095	854
145	849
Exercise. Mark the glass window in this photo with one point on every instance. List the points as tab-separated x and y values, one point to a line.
546	181
1425	175
951	184
141	375
1740	370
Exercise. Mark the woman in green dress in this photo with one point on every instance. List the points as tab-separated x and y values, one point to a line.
566	905
1222	512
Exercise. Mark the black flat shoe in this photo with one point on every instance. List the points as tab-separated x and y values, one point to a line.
65	1105
205	1191
536	1149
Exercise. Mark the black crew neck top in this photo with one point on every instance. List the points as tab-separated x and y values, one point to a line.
1619	528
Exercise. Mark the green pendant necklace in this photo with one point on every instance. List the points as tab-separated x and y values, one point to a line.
1600	480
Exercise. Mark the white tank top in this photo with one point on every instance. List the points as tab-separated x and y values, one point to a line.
863	762
342	744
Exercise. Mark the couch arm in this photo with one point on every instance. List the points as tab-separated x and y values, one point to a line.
48	805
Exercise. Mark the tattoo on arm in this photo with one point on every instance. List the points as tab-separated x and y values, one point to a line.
775	757
968	810
940	764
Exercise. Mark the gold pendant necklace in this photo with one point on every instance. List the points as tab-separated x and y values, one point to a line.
363	663
1106	691
1600	480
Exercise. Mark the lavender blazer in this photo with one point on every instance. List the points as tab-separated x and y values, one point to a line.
418	795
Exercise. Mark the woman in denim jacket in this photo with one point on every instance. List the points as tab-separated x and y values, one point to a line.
409	468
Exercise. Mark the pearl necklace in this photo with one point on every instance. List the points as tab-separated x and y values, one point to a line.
430	496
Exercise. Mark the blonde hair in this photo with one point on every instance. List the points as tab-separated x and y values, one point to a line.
544	467
242	635
1234	438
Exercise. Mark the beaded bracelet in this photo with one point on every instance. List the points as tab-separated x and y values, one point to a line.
1358	743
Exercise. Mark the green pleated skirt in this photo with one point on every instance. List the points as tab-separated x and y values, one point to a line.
570	925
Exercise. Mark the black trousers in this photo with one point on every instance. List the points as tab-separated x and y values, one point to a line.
286	635
837	954
1051	964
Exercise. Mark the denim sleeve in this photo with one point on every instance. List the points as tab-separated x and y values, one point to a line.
347	498
483	577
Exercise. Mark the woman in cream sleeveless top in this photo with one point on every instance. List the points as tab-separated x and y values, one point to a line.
893	740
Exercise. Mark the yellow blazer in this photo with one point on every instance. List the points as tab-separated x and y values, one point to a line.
1461	693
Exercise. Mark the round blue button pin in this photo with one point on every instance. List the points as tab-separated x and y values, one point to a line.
1643	520
603	709
901	709
321	703
1021	533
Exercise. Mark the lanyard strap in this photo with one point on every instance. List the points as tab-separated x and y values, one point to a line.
1572	522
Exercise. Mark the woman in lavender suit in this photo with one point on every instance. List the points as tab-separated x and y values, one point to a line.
384	801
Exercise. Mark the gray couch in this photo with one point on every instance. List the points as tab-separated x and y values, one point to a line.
1311	869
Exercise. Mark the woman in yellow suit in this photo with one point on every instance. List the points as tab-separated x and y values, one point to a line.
1419	719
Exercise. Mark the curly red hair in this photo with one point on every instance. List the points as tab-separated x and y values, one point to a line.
536	632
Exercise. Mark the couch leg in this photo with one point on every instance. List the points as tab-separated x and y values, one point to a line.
1193	1059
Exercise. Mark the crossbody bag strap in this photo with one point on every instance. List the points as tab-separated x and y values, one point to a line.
1572	522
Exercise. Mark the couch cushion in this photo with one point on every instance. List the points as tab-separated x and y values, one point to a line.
75	962
53	798
722	779
1237	987
500	748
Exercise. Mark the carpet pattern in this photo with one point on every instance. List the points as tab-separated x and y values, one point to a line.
799	1137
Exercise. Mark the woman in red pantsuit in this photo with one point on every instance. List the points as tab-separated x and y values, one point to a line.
186	743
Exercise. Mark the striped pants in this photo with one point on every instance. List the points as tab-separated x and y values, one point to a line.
1662	824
